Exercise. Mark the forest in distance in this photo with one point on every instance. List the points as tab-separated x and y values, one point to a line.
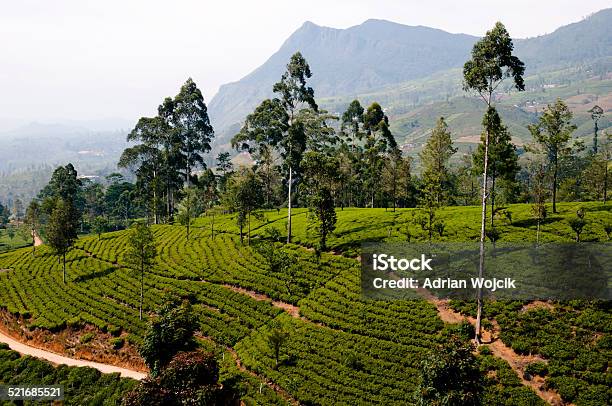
238	283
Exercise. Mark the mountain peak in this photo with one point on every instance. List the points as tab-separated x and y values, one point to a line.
309	24
378	53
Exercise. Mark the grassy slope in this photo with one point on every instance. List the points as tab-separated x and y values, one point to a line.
357	350
7	243
415	106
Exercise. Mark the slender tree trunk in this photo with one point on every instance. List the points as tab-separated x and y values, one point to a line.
188	214
168	201
289	207
394	192
554	188
155	219
141	290
373	191
483	223
350	186
187	172
605	193
492	192
595	138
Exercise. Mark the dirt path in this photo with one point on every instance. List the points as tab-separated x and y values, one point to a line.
288	307
37	240
57	359
499	349
490	338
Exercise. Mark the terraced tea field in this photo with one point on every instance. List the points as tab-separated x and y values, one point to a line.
342	348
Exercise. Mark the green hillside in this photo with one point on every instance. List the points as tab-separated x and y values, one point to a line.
343	349
414	107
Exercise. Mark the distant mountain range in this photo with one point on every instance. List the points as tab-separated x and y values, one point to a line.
408	68
414	72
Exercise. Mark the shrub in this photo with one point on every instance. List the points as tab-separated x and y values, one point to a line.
87	337
117	343
114	330
537	368
132	339
521	346
568	387
190	378
484	350
352	361
74	322
169	333
450	375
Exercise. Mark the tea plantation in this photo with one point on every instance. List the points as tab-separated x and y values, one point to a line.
342	349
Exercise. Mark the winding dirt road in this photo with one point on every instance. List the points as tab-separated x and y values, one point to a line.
59	359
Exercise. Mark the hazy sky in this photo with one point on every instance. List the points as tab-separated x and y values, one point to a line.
86	60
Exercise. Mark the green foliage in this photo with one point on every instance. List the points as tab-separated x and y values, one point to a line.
189	117
99	225
64	184
244	196
537	368
553	132
191	378
570	336
492	61
170	146
577	224
82	386
190	207
318	367
113	330
7	243
320	171
87	337
277	339
436	175
355	344
450	376
503	159
141	252
501	385
61	230
169	333
116	343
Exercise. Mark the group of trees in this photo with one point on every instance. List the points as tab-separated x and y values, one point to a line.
171	146
304	156
68	205
297	149
180	373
